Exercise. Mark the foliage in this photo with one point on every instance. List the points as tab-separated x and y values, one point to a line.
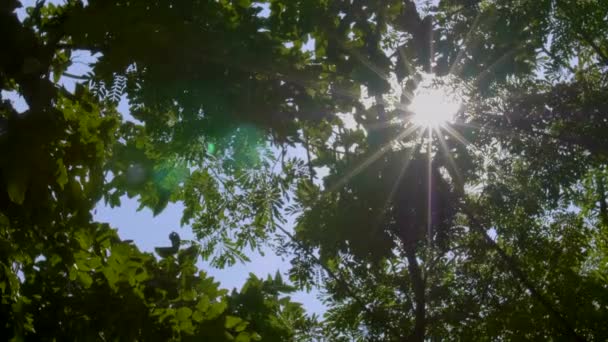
64	276
494	227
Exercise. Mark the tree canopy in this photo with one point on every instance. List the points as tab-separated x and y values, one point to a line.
254	115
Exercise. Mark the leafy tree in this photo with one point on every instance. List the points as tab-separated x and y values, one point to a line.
490	227
484	271
64	276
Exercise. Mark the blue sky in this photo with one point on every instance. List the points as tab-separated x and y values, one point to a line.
148	231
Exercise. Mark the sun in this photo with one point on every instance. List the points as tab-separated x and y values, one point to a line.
433	105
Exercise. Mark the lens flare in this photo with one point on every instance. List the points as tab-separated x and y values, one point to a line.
433	105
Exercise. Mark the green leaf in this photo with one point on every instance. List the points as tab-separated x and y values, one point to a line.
232	321
183	314
243	337
256	337
243	3
216	309
62	174
85	278
241	326
17	186
197	316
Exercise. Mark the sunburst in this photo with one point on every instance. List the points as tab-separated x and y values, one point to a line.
434	103
432	109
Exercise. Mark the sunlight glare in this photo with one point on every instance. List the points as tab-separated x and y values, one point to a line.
433	105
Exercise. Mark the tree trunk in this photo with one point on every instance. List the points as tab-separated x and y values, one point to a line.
418	288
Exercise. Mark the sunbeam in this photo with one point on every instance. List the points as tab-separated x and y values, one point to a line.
365	61
457	135
455	68
406	132
448	155
406	164
429	203
488	71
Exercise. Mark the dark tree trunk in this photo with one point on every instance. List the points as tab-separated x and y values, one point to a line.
418	288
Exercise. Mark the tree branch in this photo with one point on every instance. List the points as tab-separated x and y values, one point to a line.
82	78
559	60
418	286
583	36
517	271
335	276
